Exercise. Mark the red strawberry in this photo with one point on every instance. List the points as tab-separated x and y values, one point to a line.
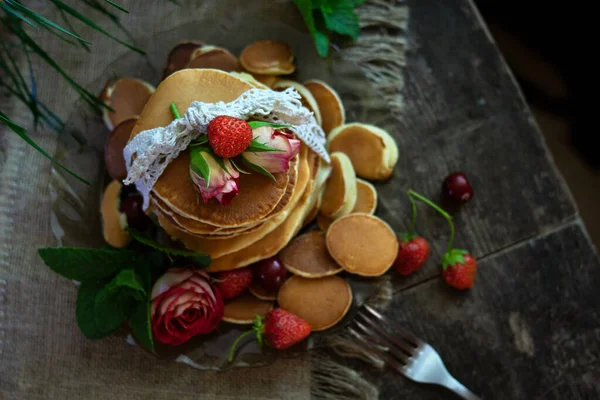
459	269
229	136
412	254
232	283
281	330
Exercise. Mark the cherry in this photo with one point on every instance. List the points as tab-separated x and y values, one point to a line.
456	188
270	274
132	208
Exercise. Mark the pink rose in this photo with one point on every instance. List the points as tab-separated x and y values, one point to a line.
219	183
273	161
184	304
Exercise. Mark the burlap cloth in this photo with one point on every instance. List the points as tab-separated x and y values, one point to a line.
43	355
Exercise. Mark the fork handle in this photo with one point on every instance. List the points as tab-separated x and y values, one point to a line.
459	388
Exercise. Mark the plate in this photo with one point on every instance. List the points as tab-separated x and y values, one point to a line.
75	217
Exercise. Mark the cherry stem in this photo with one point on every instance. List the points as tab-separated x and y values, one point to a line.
233	346
438	209
411	229
175	111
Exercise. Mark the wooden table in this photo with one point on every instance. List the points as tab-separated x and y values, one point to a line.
530	327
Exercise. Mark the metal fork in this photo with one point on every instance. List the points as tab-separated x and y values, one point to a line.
404	352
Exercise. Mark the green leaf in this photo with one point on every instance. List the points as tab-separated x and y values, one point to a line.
242	171
260	124
322	43
453	257
128	278
83	264
200	260
353	3
257	147
141	326
86	310
199	164
221	163
117	6
11	11
342	20
112	307
257	168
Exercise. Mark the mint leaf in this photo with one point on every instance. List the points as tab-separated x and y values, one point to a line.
200	260
260	124
127	278
141	326
83	264
86	310
113	305
322	43
342	20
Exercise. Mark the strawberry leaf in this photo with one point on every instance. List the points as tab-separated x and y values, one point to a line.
453	257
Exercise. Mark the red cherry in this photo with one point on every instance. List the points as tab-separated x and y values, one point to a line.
456	187
270	274
132	208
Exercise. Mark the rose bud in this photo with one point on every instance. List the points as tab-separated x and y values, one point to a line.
211	179
184	304
277	160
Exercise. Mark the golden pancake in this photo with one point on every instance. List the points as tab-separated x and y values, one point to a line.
268	80
362	244
268	57
373	152
250	79
113	221
307	98
314	211
127	97
221	247
113	149
307	256
324	222
339	196
366	197
179	57
321	302
259	292
243	309
330	104
214	57
258	194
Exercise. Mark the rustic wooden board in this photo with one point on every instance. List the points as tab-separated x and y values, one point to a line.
529	329
464	112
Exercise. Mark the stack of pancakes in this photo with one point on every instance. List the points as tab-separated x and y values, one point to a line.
264	216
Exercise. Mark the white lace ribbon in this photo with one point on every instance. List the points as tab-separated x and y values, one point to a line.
149	152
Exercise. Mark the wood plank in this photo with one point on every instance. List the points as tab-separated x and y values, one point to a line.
528	329
464	112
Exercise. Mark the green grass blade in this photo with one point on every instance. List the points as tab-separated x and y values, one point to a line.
70	26
43	21
112	3
11	11
89	22
22	133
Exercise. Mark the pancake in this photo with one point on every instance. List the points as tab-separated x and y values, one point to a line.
259	292
113	149
215	58
258	194
127	97
113	221
307	98
221	247
307	256
268	80
179	57
243	309
321	302
250	79
330	104
373	151
366	197
362	244
268	57
339	196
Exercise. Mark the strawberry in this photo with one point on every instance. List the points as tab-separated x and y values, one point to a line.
281	330
412	254
232	283
459	269
229	136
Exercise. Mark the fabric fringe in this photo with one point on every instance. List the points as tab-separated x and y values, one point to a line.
333	381
380	50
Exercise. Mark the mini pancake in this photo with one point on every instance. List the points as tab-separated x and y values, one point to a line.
307	256
366	197
324	222
272	243
314	211
260	293
127	97
362	244
222	247
113	149
330	104
268	80
214	57
268	57
307	98
113	221
243	309
180	56
259	194
373	151
321	302
250	79
339	196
